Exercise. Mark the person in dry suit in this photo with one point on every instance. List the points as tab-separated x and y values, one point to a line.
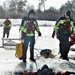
64	27
28	27
7	26
72	39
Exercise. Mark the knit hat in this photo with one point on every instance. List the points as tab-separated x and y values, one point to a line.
31	11
68	13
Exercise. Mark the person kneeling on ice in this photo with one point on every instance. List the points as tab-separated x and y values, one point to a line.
28	27
64	27
7	26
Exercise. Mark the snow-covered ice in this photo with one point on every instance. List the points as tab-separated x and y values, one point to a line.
9	63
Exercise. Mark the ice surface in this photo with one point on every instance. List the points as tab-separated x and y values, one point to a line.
9	63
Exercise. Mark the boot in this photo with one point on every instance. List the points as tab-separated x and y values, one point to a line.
32	59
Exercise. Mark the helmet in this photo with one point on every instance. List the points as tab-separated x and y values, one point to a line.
46	70
68	13
31	11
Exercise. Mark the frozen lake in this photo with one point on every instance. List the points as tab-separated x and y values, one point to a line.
9	63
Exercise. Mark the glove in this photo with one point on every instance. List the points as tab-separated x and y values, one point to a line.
39	33
53	34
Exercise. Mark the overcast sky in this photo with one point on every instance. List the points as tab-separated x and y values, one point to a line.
55	3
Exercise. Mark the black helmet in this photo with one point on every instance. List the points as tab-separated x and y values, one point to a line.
31	11
46	70
68	13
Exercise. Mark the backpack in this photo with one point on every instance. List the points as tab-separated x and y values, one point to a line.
45	53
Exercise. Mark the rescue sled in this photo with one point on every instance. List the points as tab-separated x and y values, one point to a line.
18	53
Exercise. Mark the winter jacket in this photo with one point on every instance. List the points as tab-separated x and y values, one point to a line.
64	25
28	26
7	23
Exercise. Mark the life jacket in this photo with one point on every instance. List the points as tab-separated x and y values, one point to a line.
65	28
30	26
7	22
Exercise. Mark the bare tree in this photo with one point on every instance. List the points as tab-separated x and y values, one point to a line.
20	5
29	7
16	7
42	4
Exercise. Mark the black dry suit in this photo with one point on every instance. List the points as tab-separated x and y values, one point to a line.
63	28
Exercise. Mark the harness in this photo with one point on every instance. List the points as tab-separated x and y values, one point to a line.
64	28
30	26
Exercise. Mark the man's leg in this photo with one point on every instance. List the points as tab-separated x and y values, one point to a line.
60	46
8	31
32	42
60	49
65	47
25	47
3	33
7	34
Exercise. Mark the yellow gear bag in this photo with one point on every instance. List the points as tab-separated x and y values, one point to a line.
18	53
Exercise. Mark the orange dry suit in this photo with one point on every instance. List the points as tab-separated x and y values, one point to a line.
72	39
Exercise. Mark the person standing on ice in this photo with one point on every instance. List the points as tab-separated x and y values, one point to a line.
7	26
28	27
64	27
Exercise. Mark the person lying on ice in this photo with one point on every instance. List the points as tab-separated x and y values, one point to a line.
64	27
7	26
28	27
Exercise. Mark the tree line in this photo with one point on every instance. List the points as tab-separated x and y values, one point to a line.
18	9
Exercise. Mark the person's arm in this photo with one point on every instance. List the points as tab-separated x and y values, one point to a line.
10	25
3	24
37	28
73	26
56	26
22	28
